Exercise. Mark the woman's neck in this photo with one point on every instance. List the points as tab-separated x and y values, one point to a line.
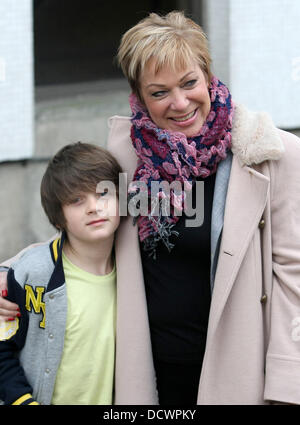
95	258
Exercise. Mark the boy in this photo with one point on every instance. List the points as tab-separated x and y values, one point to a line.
60	350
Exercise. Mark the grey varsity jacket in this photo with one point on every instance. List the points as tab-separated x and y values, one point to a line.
31	346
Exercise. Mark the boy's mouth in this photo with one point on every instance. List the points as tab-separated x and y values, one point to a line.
101	220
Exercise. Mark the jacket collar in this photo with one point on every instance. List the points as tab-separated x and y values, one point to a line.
255	138
56	248
58	277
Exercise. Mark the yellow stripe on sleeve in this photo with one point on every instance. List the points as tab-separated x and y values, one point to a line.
33	402
22	399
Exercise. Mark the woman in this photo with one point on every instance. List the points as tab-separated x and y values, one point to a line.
206	314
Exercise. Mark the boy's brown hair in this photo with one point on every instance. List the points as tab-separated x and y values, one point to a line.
75	169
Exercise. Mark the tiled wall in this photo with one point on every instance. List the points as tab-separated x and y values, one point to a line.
256	50
16	79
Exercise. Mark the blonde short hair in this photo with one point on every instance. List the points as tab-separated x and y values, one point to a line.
173	40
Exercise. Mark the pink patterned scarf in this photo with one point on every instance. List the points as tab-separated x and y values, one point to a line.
167	156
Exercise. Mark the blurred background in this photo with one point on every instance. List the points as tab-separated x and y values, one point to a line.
59	81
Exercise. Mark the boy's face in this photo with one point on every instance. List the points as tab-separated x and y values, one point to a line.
92	217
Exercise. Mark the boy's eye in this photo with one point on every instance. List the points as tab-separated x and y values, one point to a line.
100	194
76	200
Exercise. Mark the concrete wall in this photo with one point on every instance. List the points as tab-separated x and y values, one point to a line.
16	79
73	112
21	216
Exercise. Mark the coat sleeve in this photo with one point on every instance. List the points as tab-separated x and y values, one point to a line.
282	379
14	387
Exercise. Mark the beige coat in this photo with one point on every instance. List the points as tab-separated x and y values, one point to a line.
253	341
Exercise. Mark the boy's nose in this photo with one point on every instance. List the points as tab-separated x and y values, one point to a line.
91	204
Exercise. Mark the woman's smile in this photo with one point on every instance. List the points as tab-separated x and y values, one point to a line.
186	119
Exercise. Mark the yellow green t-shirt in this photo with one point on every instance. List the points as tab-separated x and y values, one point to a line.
86	371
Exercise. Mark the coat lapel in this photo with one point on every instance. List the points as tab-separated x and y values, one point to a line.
254	140
249	189
217	219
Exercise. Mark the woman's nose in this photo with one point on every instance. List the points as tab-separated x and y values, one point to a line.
179	101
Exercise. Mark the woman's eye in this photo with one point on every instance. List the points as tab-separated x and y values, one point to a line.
190	83
159	93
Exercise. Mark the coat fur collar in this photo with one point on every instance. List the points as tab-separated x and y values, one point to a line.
254	137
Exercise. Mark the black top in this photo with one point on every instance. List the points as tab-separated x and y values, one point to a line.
178	289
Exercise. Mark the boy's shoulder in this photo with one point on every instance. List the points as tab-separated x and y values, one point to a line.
35	265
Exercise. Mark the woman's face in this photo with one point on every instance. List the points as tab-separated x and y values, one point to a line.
176	100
